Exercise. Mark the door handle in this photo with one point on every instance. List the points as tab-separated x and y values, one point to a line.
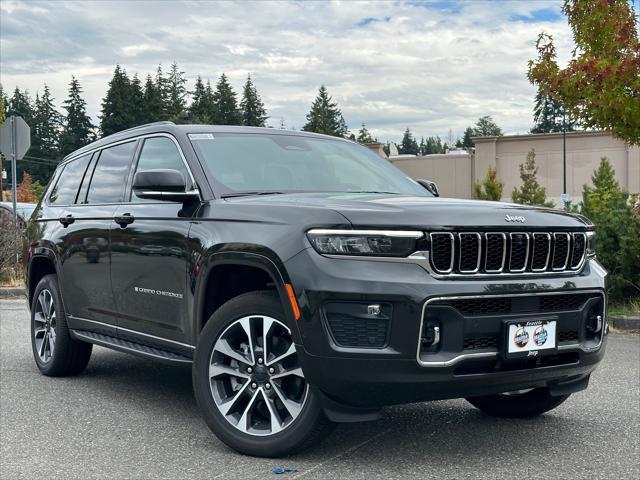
66	221
124	219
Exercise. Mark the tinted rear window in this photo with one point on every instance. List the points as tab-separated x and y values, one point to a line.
110	175
66	188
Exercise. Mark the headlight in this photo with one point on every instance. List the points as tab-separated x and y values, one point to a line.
377	243
591	244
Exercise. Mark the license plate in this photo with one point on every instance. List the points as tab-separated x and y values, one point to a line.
529	339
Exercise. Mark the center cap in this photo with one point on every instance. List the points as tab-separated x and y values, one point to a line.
260	374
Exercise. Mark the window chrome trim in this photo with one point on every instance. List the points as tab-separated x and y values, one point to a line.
467	356
526	253
533	251
373	233
504	251
479	237
566	260
453	251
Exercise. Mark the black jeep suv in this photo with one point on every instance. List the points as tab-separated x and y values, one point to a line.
307	281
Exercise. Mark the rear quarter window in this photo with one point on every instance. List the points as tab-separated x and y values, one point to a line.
66	188
110	175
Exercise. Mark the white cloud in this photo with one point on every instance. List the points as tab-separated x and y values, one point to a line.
428	66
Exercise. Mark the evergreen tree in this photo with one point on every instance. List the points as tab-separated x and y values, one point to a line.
4	105
253	112
486	127
176	94
24	190
364	136
20	105
325	116
408	145
422	148
45	132
77	130
225	104
153	105
618	230
137	105
490	188
530	193
117	113
466	139
548	116
163	94
197	109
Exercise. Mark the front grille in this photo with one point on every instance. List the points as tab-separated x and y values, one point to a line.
470	307
568	336
358	332
506	252
477	343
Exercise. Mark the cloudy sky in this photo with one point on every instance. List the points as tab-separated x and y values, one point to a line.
429	65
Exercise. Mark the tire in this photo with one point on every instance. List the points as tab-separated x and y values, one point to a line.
518	405
254	402
55	352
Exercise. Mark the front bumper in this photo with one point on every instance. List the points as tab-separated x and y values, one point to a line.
398	370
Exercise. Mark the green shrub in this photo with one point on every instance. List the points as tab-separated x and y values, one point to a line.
618	231
530	193
490	188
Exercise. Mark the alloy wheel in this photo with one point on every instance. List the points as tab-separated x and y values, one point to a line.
255	376
44	326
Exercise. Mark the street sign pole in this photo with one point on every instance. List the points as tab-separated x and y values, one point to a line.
14	188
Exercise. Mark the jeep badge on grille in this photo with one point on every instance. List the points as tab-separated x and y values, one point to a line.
515	218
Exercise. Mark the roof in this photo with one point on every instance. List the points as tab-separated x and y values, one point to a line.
170	127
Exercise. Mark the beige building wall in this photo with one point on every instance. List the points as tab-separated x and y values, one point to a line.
455	174
452	173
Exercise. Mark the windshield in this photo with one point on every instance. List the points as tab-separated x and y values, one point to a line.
254	163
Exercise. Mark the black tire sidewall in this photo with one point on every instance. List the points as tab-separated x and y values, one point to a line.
254	303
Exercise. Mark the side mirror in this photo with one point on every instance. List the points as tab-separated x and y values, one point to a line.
163	184
430	186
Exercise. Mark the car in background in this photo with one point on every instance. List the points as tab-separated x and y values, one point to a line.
24	210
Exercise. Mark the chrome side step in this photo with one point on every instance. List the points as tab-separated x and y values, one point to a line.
129	347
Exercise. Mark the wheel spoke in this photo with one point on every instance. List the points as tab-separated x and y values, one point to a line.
290	351
52	342
39	317
43	347
286	373
267	323
50	305
41	301
292	407
276	426
228	404
244	419
225	348
217	370
246	325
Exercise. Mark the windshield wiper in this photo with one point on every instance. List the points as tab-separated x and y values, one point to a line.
245	194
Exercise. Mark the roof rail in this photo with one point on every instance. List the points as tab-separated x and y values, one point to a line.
164	122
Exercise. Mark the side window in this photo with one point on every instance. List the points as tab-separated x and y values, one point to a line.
66	188
110	175
160	152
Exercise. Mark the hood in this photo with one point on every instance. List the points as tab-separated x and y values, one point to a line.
400	211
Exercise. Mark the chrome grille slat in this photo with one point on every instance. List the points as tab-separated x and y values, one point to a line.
469	253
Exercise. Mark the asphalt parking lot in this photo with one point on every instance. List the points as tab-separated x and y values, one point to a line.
126	417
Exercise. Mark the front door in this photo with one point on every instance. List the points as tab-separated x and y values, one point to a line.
150	255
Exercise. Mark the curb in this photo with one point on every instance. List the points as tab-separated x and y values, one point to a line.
12	292
624	323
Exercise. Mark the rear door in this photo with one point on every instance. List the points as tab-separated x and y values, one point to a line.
150	255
